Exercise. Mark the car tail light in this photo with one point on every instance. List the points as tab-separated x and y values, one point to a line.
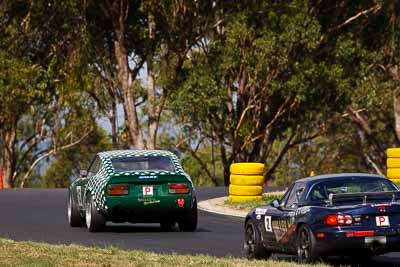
178	188
117	190
382	207
339	219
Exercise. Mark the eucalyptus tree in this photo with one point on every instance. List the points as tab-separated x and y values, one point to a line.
39	80
261	80
142	36
370	33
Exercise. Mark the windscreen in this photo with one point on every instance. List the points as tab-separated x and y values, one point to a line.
128	164
321	191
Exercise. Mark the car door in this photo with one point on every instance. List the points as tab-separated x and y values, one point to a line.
283	218
272	223
288	220
81	187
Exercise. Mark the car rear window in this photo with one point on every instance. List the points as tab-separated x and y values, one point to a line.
127	164
322	190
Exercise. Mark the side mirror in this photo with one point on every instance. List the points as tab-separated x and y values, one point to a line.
82	173
275	203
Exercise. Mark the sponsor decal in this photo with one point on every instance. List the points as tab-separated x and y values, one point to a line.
261	211
147	190
155	201
302	211
146	199
268	223
148	177
258	217
292	215
290	232
281	227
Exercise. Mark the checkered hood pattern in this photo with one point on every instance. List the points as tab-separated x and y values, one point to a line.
97	183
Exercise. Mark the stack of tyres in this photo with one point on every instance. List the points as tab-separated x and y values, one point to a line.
246	182
393	164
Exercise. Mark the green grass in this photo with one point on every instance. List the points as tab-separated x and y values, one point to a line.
249	205
29	254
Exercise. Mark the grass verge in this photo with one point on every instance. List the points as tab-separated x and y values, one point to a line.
39	254
249	205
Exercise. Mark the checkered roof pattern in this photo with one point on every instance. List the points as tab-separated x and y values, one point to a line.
97	182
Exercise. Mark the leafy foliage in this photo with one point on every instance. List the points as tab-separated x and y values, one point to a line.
298	85
68	163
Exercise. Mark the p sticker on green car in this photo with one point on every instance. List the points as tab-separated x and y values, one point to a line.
147	191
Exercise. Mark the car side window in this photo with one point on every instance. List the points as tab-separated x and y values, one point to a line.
94	167
295	195
285	196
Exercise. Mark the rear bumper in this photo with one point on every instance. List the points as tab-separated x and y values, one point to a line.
342	245
147	210
140	215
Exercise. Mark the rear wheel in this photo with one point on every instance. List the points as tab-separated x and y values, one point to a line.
188	222
253	247
306	245
95	221
74	218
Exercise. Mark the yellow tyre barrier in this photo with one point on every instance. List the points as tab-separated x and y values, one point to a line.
393	152
245	190
393	173
397	181
393	163
244	198
237	179
247	168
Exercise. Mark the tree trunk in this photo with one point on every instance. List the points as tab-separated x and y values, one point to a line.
227	164
124	76
395	75
151	89
9	157
113	121
227	174
396	110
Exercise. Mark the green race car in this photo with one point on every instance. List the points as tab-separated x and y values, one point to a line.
136	186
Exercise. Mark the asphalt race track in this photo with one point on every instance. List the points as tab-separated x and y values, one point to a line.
40	215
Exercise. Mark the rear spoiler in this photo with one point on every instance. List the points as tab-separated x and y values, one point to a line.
362	196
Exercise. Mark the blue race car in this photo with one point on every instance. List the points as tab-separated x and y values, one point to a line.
335	214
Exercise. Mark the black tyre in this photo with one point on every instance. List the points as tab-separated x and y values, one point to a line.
166	226
188	222
253	246
306	245
74	217
95	221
